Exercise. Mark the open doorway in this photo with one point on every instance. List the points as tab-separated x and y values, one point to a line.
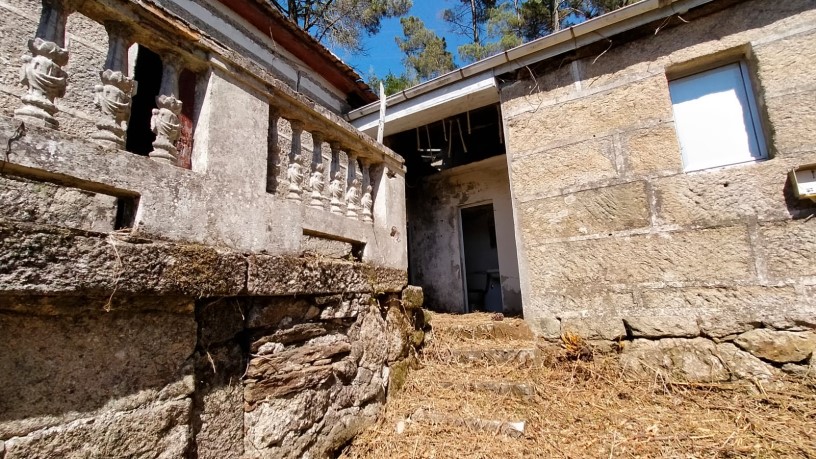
148	74
481	259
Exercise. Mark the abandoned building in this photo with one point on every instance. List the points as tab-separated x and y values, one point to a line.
646	175
199	258
206	254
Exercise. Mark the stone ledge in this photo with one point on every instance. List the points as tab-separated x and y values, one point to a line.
43	260
280	275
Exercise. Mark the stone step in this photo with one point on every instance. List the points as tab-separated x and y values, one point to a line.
489	355
504	330
512	429
514	389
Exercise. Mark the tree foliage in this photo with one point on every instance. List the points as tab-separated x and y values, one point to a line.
468	17
426	53
503	30
493	26
392	83
342	23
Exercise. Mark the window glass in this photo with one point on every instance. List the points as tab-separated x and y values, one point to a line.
716	118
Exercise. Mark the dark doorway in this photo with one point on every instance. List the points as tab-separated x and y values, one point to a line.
148	74
481	256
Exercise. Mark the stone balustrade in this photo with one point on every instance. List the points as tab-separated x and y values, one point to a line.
337	177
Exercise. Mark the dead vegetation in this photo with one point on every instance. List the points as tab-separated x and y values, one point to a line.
581	405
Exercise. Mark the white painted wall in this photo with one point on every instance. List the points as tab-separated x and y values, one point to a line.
434	231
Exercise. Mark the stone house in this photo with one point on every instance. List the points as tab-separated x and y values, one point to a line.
626	179
198	256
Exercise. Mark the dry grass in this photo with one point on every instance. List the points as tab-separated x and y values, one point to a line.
442	322
588	409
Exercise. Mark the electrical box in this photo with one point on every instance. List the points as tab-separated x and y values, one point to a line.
803	179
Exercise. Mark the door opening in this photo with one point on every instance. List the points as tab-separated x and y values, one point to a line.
148	74
481	258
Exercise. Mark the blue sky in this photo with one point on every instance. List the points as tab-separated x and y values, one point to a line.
383	52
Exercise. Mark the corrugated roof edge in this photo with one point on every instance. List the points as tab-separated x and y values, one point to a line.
623	19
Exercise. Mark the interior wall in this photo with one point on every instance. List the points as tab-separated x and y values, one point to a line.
435	252
481	254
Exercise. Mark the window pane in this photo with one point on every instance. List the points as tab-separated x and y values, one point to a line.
713	119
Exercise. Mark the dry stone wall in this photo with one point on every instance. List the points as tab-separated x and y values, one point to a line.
98	360
617	242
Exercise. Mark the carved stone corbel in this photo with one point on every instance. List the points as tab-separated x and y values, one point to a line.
336	185
352	198
336	192
316	179
294	173
114	95
353	191
165	121
316	185
366	202
42	71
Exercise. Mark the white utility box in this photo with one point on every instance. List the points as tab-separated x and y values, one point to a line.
803	179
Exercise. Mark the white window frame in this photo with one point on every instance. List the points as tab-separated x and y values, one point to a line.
701	158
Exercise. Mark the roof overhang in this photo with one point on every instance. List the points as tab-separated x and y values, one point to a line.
432	106
467	88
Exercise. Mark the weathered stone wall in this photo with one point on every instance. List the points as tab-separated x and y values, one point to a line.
225	202
436	251
152	311
226	199
114	346
616	241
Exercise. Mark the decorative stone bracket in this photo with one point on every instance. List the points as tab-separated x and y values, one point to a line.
165	122
42	71
114	96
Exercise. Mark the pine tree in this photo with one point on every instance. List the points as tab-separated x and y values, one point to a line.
426	52
392	83
468	18
503	30
342	23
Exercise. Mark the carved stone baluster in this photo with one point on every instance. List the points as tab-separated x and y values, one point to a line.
336	185
294	174
165	121
42	72
353	191
273	156
114	96
367	201
316	181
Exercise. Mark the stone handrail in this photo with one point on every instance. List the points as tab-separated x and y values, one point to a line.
341	184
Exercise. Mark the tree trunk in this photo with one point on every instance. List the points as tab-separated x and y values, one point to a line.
556	21
475	21
292	10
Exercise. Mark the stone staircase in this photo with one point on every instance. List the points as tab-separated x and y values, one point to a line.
488	389
475	370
